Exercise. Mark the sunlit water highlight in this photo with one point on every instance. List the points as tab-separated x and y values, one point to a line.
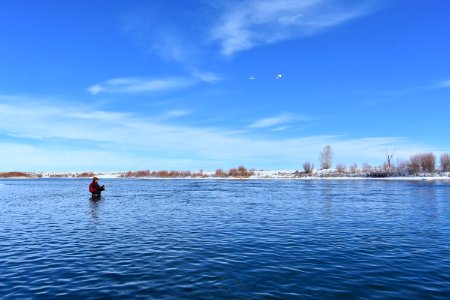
212	239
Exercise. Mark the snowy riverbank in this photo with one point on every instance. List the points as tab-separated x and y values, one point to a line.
254	174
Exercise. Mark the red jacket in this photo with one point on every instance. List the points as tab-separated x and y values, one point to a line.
94	187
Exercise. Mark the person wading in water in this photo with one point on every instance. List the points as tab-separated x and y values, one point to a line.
95	188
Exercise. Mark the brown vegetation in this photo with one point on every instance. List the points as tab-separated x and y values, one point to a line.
14	174
308	167
428	162
240	172
86	174
422	162
220	173
159	174
445	162
417	165
340	169
414	165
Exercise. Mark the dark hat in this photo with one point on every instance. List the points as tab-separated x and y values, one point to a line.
94	179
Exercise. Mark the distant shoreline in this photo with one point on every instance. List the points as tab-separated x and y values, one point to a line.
253	175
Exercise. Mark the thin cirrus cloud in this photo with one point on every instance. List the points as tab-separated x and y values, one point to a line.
173	32
277	121
247	24
233	26
443	84
281	128
48	131
133	85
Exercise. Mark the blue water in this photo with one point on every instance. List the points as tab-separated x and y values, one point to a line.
208	239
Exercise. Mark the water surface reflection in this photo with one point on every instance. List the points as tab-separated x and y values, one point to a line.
212	239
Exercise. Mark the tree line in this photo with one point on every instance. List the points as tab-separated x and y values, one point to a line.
415	165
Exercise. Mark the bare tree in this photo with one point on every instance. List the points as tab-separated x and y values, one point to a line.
422	162
402	168
428	162
389	160
308	167
220	173
341	168
445	162
414	164
326	157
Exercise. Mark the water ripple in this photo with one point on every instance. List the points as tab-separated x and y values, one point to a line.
212	239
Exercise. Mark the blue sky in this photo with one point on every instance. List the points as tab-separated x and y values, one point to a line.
126	85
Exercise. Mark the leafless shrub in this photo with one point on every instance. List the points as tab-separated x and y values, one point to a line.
326	157
86	174
308	167
428	162
341	168
143	173
233	172
13	174
414	164
422	162
402	168
240	172
160	174
220	173
354	168
445	162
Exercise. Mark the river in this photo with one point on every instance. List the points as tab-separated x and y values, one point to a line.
222	239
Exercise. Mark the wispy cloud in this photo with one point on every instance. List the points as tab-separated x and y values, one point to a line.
251	23
48	133
134	85
443	84
171	115
234	26
276	121
177	113
281	128
169	30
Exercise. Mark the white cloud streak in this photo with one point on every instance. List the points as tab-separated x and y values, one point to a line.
276	121
251	23
141	85
170	31
443	84
47	136
233	26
